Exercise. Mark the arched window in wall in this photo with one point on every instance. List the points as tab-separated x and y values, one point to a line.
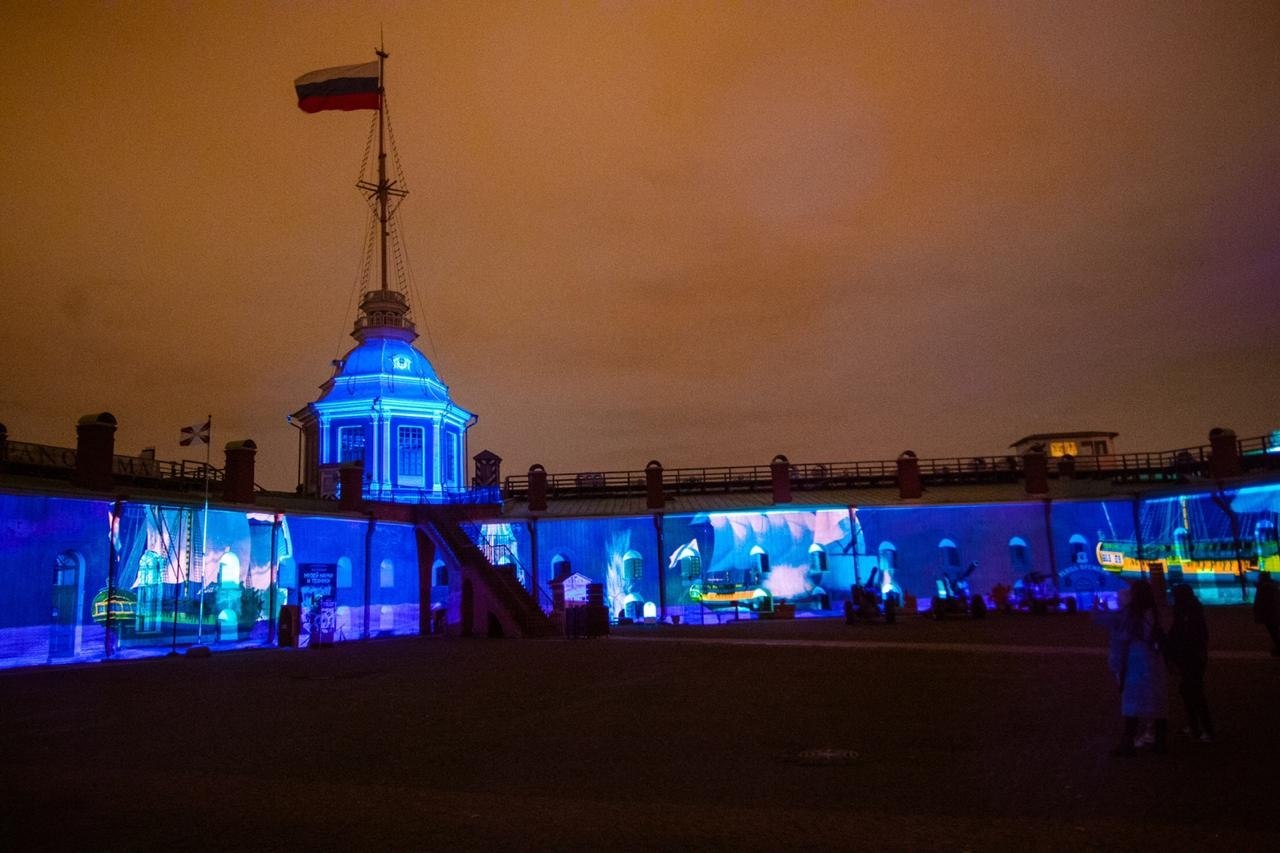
344	573
817	558
887	557
948	556
632	566
690	562
386	574
1079	549
1019	556
760	560
439	574
68	601
560	567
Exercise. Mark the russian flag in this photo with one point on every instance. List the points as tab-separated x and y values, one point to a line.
348	87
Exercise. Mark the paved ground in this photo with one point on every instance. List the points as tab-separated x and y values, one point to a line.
921	735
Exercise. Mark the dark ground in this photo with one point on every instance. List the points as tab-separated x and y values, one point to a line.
967	736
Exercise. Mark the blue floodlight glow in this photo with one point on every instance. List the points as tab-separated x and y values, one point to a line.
165	582
711	563
386	408
169	585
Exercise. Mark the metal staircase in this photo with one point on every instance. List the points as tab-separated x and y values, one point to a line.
464	538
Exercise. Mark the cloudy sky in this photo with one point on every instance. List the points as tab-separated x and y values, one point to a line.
702	233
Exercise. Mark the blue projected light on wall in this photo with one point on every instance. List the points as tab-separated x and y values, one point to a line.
1215	542
163	575
736	560
749	561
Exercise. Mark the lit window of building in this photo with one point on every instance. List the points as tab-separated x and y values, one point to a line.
351	444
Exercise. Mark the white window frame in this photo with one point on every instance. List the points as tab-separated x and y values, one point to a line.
356	430
419	478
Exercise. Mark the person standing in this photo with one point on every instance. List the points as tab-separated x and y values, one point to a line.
1138	663
1266	609
1188	650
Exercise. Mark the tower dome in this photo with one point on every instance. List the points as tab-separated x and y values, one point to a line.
386	408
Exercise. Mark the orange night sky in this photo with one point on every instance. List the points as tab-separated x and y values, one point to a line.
702	233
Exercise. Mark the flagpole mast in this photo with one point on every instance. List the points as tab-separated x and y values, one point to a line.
177	583
204	532
382	163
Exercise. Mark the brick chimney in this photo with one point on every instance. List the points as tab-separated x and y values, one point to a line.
654	498
537	488
780	479
351	486
488	469
95	451
1035	470
237	477
910	485
1224	459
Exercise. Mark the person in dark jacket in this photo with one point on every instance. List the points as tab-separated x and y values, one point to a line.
1188	651
1266	609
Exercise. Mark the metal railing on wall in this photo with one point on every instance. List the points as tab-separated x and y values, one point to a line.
47	460
1168	465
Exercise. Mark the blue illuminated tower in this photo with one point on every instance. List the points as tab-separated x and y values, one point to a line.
384	406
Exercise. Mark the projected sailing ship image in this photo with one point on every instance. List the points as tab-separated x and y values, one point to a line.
179	579
1212	540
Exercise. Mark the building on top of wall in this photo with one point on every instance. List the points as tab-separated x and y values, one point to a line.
1056	444
385	408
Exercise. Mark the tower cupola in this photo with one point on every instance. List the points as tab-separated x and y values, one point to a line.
384	313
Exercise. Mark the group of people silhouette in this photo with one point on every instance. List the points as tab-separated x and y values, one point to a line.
1143	654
